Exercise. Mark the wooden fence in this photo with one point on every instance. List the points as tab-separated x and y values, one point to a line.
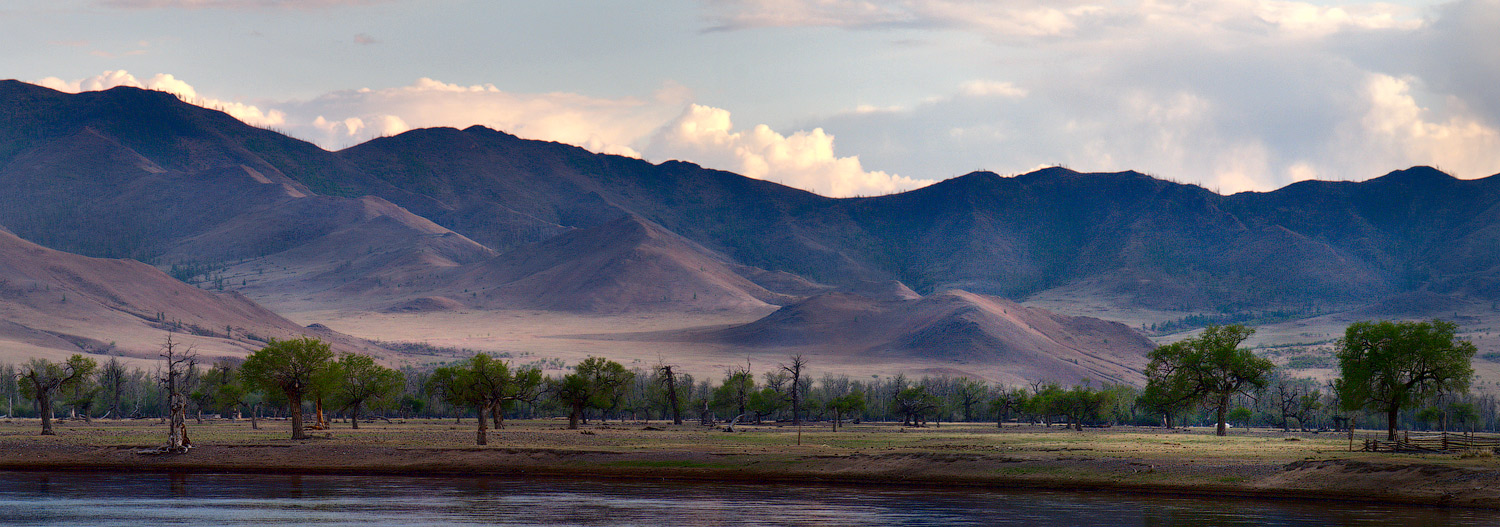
1442	443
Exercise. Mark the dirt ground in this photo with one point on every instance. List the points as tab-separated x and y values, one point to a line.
1263	463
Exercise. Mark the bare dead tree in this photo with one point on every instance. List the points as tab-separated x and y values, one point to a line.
1288	401
178	361
795	370
668	378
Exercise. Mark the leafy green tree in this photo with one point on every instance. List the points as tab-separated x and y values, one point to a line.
1240	415
595	383
1043	403
767	401
1081	404
1386	366
914	404
733	395
1167	401
849	404
41	379
1208	369
485	384
362	382
81	396
290	367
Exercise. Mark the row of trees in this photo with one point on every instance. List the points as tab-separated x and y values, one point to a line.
1389	368
1384	367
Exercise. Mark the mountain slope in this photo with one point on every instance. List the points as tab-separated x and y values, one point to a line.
976	333
54	304
138	174
1122	238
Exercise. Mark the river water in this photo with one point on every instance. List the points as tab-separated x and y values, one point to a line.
33	498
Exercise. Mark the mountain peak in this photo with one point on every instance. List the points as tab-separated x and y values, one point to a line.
1416	175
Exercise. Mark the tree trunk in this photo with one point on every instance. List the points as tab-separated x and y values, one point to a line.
838	418
1391	415
482	437
354	416
255	417
573	417
177	433
44	409
1222	410
497	411
322	423
294	401
672	396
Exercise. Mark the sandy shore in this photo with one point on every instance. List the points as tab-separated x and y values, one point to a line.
1194	464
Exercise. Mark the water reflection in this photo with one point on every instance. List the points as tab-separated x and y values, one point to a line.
371	501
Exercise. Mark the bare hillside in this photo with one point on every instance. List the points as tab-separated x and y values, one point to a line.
54	304
967	332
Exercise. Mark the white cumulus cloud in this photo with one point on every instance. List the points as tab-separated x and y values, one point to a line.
805	159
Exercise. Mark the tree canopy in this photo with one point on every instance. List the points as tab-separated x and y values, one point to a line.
361	382
1386	366
596	382
43	379
485	384
1208	369
291	367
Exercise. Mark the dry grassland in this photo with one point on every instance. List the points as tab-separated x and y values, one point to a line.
1260	463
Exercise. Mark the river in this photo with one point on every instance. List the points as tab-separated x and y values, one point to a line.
73	498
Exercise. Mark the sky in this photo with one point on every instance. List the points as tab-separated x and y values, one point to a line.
840	97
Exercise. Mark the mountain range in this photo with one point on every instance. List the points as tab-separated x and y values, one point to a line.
444	219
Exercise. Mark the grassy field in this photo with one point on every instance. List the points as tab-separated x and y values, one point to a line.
1259	462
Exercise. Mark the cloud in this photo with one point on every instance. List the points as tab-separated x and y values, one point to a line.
347	117
234	4
1235	95
805	159
1023	21
167	83
1397	129
986	88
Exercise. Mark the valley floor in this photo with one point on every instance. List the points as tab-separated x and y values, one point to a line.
1258	463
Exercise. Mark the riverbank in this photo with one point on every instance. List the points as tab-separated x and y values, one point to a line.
1267	464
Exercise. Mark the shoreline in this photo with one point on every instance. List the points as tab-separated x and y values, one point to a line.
900	469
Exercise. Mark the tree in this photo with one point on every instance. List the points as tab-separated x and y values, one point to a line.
42	379
734	393
968	394
595	383
914	404
361	382
485	384
795	370
668	380
848	404
1081	404
1208	369
1386	366
112	379
1241	415
290	367
1007	402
